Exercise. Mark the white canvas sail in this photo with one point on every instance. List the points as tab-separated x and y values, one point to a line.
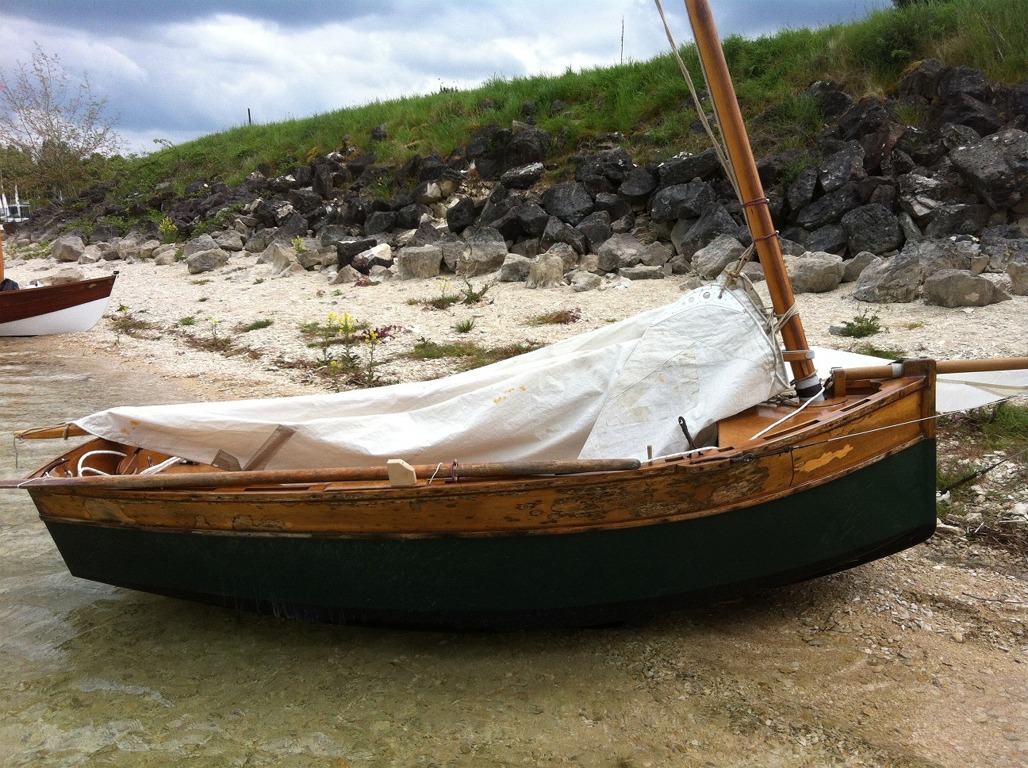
616	392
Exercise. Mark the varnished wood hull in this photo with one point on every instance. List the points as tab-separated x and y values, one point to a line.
838	485
65	308
590	577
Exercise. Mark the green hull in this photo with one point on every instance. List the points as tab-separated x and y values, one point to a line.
520	581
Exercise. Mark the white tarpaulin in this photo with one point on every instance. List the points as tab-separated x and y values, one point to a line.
610	393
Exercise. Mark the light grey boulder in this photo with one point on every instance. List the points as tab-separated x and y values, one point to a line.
67	248
815	272
206	261
961	288
546	271
418	261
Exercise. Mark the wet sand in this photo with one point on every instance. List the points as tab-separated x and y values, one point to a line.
884	665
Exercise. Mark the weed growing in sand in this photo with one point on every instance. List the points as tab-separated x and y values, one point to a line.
33	251
124	322
472	296
347	349
469	354
256	325
167	230
187	321
447	297
465	325
888	353
557	317
217	343
861	326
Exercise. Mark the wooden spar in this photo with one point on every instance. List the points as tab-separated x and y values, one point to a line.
893	370
755	204
442	472
62	431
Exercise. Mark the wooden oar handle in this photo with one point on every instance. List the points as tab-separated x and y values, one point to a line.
976	365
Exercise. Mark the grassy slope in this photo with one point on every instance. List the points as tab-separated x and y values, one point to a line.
646	102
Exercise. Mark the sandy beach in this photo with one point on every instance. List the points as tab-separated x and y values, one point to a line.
169	319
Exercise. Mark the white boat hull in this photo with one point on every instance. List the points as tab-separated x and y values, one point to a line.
70	320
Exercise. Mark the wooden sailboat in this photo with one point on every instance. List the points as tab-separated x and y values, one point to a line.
778	491
64	308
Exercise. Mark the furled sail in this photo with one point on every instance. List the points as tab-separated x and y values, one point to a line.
618	391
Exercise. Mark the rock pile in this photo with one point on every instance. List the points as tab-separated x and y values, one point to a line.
938	212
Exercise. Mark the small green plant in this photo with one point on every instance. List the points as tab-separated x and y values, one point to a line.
167	230
862	326
557	317
888	353
913	325
217	343
470	354
33	251
187	321
298	244
464	326
366	374
341	340
124	322
470	295
256	325
446	297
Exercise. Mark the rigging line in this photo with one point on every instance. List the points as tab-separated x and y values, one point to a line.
719	148
806	402
982	472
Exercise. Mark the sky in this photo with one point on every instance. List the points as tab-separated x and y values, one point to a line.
175	70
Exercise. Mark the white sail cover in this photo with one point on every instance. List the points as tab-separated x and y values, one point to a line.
615	392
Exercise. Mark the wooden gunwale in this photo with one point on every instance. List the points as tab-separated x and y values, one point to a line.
664	491
29	302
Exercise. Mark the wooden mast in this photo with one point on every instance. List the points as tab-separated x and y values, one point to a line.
755	204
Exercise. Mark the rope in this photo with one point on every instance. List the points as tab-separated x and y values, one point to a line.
718	143
82	469
157	468
437	468
981	472
806	402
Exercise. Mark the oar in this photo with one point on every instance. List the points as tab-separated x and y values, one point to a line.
326	475
894	370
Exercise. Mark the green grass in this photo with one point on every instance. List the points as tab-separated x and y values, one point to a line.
557	317
861	326
888	353
981	468
647	102
469	354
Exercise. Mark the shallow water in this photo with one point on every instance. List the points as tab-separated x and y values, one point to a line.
100	675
